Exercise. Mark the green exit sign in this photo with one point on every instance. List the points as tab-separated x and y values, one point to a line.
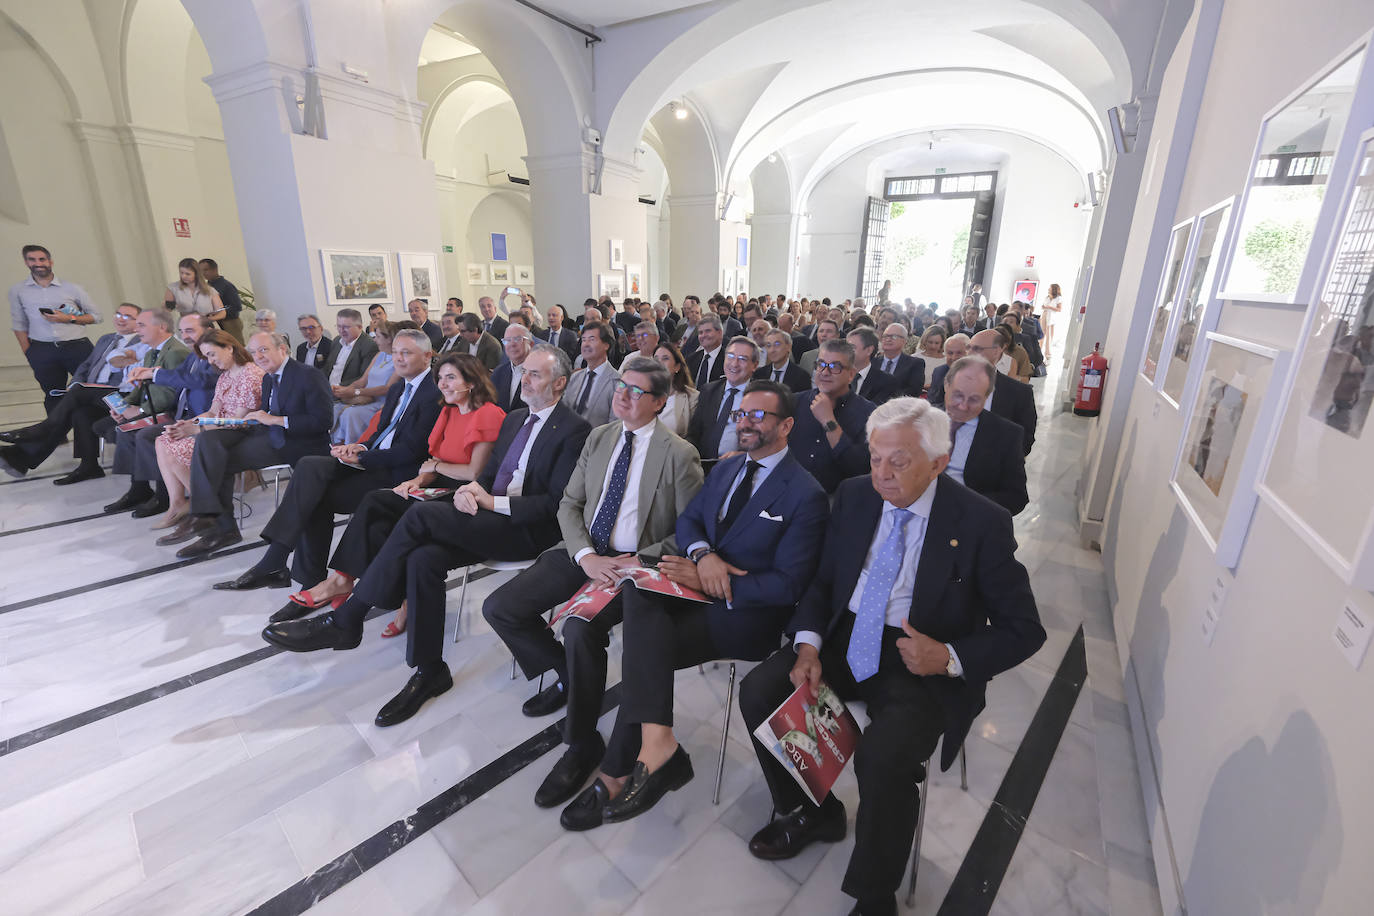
1287	148
939	171
448	249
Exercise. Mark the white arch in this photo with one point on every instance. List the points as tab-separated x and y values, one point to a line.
456	106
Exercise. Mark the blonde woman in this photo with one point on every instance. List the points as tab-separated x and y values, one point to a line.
191	295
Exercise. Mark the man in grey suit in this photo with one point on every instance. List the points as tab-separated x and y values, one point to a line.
826	329
633	478
478	342
591	387
351	356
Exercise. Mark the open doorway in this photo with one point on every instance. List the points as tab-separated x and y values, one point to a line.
927	249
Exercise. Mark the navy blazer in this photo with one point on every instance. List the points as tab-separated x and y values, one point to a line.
704	427
717	368
410	443
878	386
811	446
500	380
1015	400
322	353
971	591
776	540
936	395
794	377
551	463
996	465
307	404
565	340
196	377
94	362
909	374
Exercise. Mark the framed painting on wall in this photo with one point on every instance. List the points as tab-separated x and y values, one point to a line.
727	282
634	280
1193	317
498	246
524	276
357	276
1221	451
419	276
1323	446
477	275
1164	301
617	256
1024	291
742	281
500	274
611	284
742	251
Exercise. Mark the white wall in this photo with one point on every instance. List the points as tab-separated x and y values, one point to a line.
1258	742
507	212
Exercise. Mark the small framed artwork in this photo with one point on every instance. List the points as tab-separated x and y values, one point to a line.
1024	290
617	254
1193	318
524	276
611	284
1323	444
742	281
500	274
498	246
1218	460
727	282
357	276
634	280
477	275
1164	300
742	251
419	276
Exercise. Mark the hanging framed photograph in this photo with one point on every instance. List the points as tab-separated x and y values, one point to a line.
742	281
1217	462
1024	291
419	272
500	274
1193	318
634	280
357	276
727	282
1280	210
498	246
1323	445
611	284
617	254
741	251
1164	301
524	276
477	275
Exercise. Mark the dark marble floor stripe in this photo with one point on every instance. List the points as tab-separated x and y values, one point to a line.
71	723
32	477
391	839
65	521
980	876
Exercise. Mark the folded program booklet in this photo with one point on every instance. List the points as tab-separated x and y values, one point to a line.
813	739
588	600
225	422
425	494
143	421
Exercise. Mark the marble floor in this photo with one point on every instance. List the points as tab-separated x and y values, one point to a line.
156	756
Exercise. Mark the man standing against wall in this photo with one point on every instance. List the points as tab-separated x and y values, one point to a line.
228	295
49	317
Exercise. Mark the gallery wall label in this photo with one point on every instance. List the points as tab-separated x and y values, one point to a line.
1352	634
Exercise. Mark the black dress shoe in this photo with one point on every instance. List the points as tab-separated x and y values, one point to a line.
78	475
150	507
585	811
187	528
7	463
125	503
550	699
413	695
644	789
246	582
291	611
569	774
789	835
210	542
13	436
316	633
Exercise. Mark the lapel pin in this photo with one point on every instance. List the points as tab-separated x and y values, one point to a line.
954	542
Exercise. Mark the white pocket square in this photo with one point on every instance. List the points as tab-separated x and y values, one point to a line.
763	513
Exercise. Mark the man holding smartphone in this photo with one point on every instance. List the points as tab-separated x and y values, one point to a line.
49	318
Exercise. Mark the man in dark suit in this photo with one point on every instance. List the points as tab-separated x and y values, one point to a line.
955	349
419	313
712	426
478	342
730	326
751	537
918	601
492	323
1010	398
777	348
293	422
449	340
351	356
829	438
317	346
633	479
869	381
685	334
509	513
707	362
136	451
323	486
506	378
800	342
909	372
985	451
558	334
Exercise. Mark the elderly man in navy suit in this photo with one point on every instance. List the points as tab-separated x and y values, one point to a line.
917	603
751	538
325	485
985	449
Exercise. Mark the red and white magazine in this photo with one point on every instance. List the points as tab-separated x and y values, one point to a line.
588	600
813	739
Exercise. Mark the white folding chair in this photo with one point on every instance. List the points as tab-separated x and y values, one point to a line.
496	566
924	790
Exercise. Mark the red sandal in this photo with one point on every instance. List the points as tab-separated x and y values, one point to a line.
391	630
303	599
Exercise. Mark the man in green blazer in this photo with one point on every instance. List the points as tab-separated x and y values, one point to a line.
165	351
619	509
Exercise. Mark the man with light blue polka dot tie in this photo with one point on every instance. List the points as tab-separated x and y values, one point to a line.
919	600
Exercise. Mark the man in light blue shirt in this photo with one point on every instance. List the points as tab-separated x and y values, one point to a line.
49	317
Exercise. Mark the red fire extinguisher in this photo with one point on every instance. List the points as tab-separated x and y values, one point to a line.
1092	375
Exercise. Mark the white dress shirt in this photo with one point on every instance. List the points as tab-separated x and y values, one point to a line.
710	358
336	374
729	437
407	398
625	534
107	371
859	378
517	481
516	374
958	455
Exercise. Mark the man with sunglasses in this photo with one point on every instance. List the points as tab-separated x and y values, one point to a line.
829	438
712	429
633	479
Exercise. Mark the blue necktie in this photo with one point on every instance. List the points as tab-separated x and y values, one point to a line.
866	640
611	500
395	417
506	472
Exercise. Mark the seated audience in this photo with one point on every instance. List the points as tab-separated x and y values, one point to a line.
492	323
869	381
355	410
1010	398
265	322
591	387
777	348
909	372
323	486
645	338
419	313
350	357
985	452
685	335
751	536
478	342
558	333
918	601
516	340
828	437
632	481
706	361
682	393
1015	362
376	314
317	347
509	513
955	349
448	329
712	429
826	329
931	350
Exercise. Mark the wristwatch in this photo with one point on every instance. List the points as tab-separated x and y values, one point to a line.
831	426
696	555
950	668
357	392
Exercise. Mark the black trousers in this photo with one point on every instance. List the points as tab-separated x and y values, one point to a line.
53	363
222	453
373	520
905	723
515	611
76	412
320	487
430	539
136	453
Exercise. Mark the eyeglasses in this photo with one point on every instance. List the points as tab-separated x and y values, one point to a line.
635	391
738	358
834	368
645	335
894	337
755	416
992	349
